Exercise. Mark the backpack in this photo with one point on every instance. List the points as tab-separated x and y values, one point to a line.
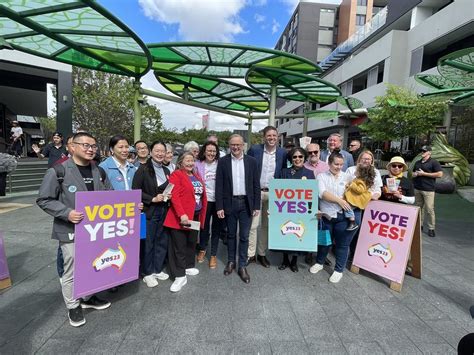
61	171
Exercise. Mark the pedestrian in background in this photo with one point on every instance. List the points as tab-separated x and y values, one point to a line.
425	173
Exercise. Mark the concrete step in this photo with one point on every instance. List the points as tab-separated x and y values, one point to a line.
27	176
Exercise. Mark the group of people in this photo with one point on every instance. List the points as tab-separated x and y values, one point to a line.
187	205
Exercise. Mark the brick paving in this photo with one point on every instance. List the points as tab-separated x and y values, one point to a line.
279	312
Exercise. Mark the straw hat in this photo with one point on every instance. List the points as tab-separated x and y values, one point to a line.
398	160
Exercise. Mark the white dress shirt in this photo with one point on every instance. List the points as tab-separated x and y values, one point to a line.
334	184
268	168
238	176
123	169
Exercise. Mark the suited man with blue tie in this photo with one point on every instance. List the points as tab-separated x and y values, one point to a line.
237	200
334	144
271	159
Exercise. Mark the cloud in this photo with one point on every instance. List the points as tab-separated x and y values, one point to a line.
259	18
275	26
197	20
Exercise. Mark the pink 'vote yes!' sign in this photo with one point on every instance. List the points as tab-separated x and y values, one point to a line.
385	238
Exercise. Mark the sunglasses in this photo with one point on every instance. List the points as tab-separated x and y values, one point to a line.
352	145
313	152
397	166
297	156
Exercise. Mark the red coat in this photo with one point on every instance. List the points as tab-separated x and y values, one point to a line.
183	200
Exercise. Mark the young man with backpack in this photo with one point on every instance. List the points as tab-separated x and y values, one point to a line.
57	198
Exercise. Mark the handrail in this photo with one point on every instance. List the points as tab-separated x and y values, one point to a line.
358	37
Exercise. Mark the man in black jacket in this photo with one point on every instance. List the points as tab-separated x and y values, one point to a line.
238	200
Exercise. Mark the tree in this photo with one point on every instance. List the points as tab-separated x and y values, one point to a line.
401	113
103	105
48	126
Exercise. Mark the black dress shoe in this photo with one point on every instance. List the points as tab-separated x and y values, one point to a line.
285	263
262	259
229	268
244	275
252	259
431	233
294	264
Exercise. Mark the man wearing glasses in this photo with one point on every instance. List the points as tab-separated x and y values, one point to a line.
355	148
57	198
335	145
314	163
425	172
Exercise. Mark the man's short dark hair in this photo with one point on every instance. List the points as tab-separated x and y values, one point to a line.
267	129
140	141
83	134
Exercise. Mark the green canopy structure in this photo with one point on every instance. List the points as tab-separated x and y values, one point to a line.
80	33
456	82
223	60
214	92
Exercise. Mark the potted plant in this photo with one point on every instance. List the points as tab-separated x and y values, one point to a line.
8	164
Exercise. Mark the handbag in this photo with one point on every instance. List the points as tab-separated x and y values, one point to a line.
324	235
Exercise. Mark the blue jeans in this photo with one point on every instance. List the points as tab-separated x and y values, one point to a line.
240	217
156	243
341	238
215	226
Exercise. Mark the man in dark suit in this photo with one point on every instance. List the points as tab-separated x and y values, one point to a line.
271	159
335	145
237	199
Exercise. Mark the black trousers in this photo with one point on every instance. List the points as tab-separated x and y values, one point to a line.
181	251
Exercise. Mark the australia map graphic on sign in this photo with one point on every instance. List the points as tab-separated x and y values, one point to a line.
291	227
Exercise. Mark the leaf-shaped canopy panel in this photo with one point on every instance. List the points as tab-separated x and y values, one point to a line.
350	102
456	96
292	85
437	81
458	65
80	33
212	91
223	60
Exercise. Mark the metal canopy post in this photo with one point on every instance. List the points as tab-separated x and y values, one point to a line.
273	99
305	118
249	130
137	110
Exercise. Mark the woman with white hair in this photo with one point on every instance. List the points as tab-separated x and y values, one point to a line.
168	161
193	148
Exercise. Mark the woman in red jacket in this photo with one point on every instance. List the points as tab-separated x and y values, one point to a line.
188	203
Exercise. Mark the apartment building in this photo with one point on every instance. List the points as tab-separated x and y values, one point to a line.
403	39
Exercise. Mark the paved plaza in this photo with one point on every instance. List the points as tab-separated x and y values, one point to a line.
279	312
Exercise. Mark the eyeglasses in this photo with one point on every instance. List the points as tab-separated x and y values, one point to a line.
397	166
352	145
313	152
87	146
297	156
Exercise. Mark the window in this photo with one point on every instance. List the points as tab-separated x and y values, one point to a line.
360	20
327	10
361	2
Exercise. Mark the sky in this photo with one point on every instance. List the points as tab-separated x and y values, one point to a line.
250	22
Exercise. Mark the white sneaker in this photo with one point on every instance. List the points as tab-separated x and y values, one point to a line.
192	271
315	268
150	281
161	276
178	284
335	277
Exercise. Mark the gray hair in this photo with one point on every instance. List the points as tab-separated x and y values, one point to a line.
169	147
181	157
191	145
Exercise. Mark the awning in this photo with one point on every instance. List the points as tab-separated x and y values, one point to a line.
33	132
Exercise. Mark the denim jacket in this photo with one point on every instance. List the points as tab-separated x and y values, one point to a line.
115	176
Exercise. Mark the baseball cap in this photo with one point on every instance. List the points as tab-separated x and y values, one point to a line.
426	148
57	134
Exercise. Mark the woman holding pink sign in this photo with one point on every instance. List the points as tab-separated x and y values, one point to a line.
185	217
396	187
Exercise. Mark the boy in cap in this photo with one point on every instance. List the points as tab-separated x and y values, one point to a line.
55	151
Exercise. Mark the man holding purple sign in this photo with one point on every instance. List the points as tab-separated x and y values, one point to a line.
57	198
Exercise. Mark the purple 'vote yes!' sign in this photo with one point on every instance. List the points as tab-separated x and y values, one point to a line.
107	241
